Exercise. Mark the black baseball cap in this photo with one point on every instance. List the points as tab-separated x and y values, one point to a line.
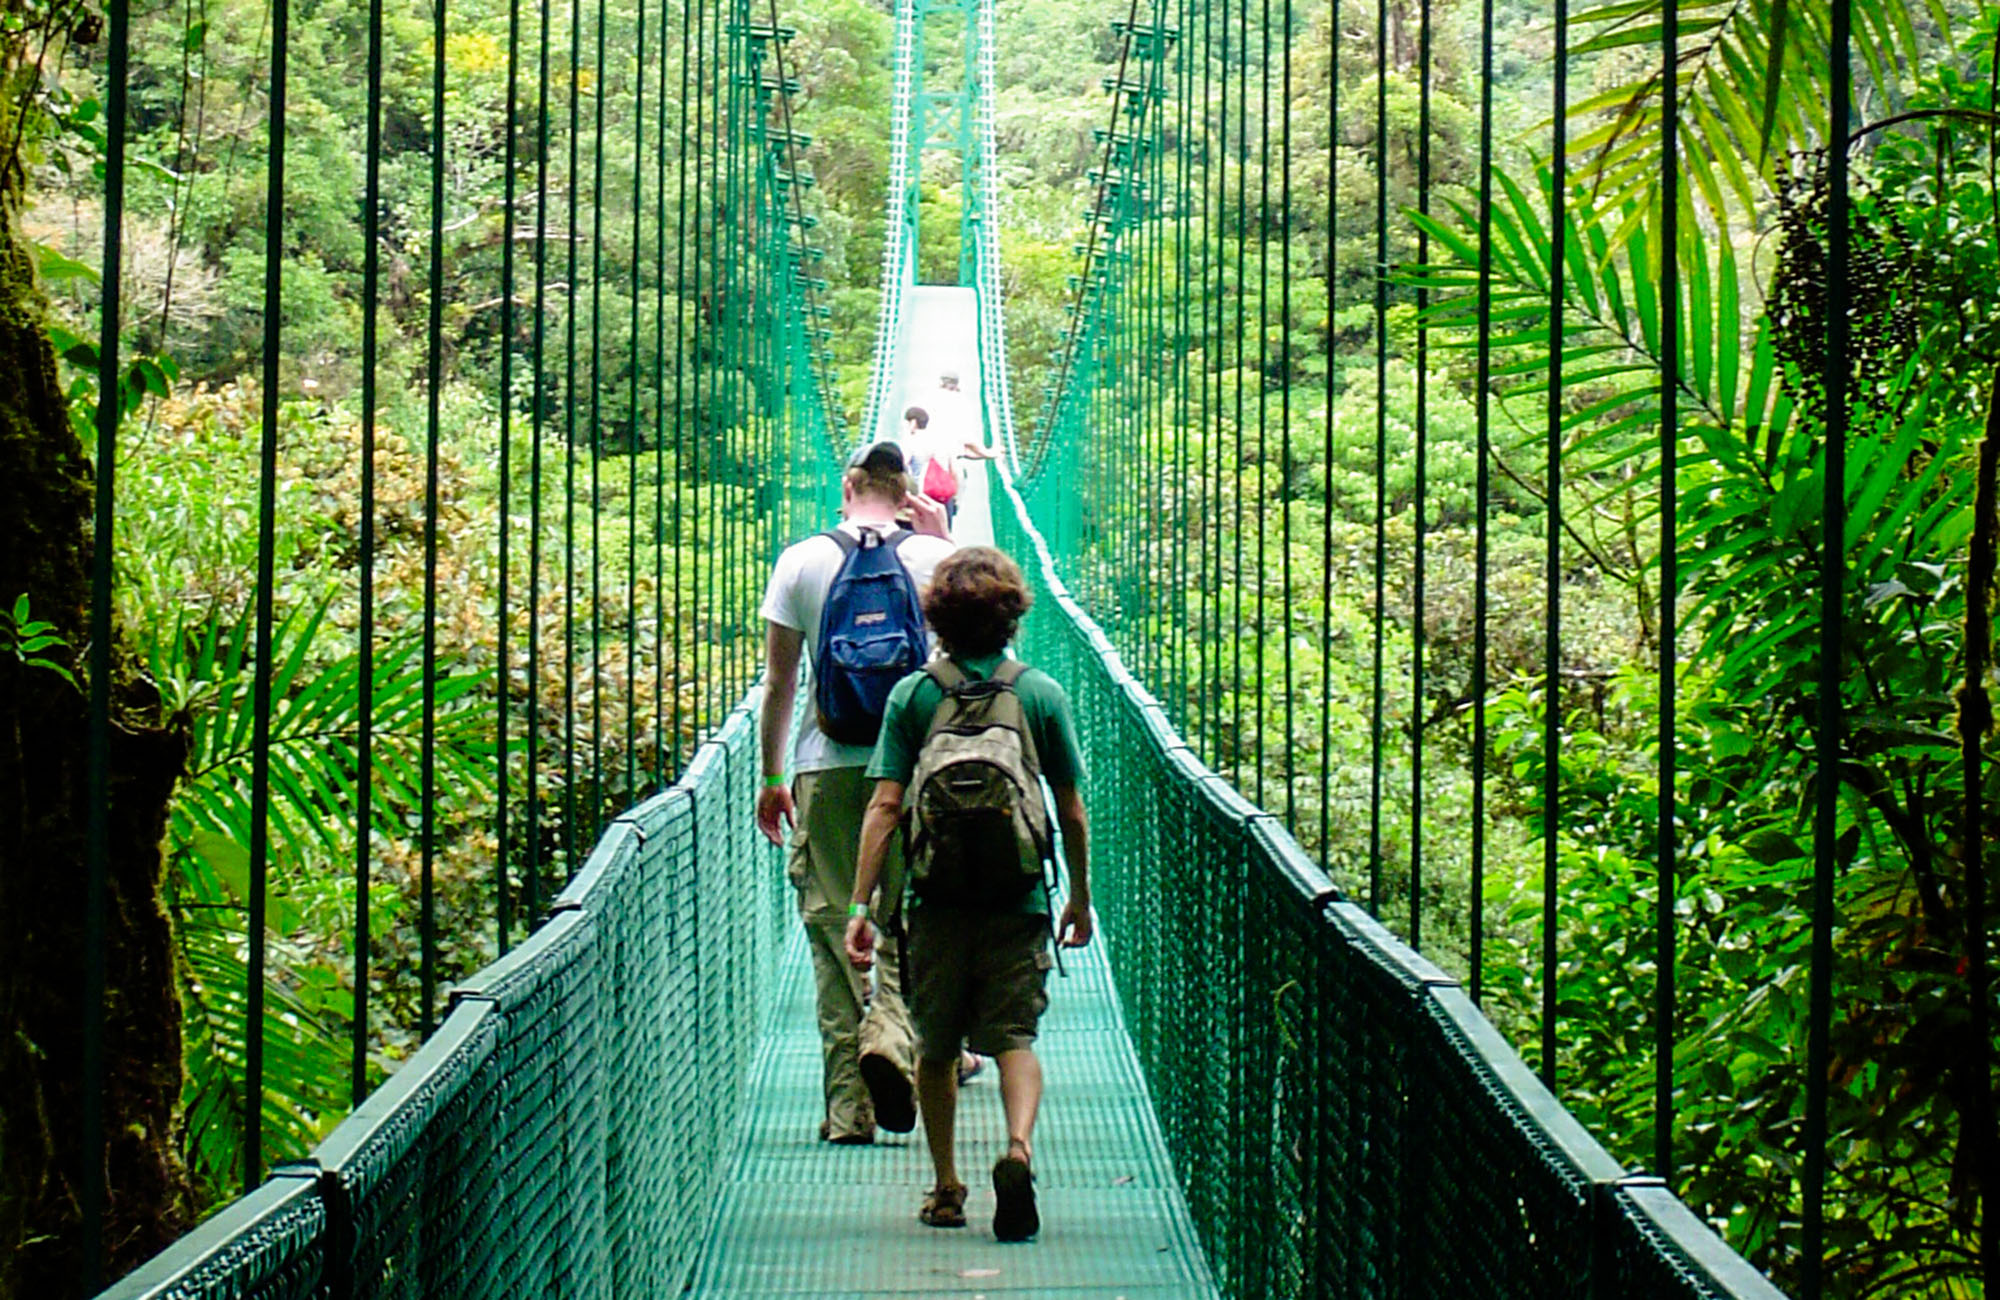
879	458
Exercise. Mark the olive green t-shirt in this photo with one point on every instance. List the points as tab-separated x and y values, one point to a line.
907	719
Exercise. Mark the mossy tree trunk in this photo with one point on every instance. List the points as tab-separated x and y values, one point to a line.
45	552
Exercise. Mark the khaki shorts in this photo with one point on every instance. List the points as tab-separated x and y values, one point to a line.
975	978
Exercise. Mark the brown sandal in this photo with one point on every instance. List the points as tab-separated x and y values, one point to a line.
944	1206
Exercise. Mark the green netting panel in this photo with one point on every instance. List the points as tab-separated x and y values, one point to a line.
565	1131
642	891
413	1203
553	1094
1651	1245
271	1245
1343	1121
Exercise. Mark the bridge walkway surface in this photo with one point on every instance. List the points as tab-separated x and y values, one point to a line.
803	1217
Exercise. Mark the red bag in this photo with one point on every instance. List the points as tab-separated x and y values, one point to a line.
940	484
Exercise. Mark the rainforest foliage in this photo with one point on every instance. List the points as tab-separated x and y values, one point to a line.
1913	1149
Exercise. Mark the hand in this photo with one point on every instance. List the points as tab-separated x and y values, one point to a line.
1076	926
775	813
860	942
927	516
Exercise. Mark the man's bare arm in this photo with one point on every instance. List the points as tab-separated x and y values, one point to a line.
878	823
1077	924
782	649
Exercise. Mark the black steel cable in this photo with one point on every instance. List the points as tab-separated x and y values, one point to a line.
1326	441
1418	505
569	449
1482	496
1381	273
267	513
532	868
364	783
503	916
1552	621
631	792
594	813
1670	379
681	349
427	764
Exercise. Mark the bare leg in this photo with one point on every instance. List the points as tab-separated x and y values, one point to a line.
937	1092
1021	1096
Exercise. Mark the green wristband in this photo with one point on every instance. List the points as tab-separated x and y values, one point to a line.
858	909
778	779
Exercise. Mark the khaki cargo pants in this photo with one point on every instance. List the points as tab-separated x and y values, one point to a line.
825	843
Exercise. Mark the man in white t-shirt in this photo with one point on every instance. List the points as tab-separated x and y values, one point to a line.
955	429
868	1054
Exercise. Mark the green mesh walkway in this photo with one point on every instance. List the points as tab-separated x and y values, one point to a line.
802	1217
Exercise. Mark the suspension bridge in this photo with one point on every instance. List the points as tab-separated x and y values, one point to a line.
1256	1089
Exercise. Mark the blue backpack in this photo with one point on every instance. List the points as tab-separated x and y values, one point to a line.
871	636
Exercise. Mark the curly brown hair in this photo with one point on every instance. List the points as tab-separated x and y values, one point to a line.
976	600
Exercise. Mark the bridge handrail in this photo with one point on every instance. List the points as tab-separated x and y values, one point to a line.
526	1149
1340	1114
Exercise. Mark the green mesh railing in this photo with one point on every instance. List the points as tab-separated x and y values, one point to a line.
564	1130
1344	1121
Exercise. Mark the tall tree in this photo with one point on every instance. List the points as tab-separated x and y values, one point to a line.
45	555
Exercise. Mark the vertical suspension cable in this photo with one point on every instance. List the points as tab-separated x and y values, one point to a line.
1181	353
569	452
537	414
1326	441
704	650
97	848
1209	597
1242	277
1215	357
434	368
504	916
1833	583
594	813
1552	643
1670	378
1263	356
364	742
663	646
1381	277
631	793
682	470
1422	471
1482	491
1285	430
267	550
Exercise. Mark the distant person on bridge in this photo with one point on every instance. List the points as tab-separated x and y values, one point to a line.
959	739
865	1042
954	434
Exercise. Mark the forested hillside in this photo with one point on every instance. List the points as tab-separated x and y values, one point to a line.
1265	660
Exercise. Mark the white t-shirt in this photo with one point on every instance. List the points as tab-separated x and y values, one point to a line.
954	420
794	599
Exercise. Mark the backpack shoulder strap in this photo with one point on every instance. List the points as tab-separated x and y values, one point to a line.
1009	672
846	543
945	673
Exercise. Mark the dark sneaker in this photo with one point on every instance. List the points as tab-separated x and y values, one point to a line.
1014	1216
890	1092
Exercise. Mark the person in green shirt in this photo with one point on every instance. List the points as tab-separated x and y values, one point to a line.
977	975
